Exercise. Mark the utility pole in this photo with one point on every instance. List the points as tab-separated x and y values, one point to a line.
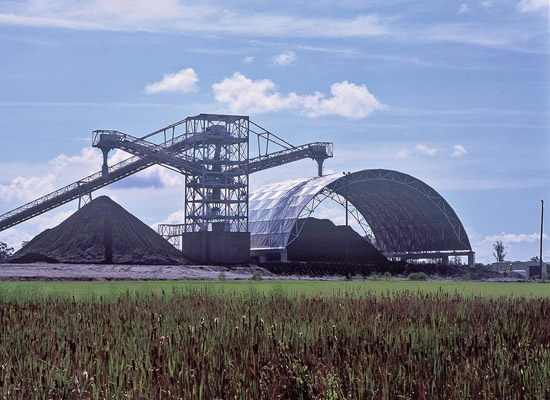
346	180
542	266
347	221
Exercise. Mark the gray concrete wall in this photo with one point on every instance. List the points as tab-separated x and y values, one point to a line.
217	247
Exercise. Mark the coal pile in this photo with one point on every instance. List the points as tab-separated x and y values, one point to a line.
100	232
322	241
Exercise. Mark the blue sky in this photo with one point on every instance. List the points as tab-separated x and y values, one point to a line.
455	93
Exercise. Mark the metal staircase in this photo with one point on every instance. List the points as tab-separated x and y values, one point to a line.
154	153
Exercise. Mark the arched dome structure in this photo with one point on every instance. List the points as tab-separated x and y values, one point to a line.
403	217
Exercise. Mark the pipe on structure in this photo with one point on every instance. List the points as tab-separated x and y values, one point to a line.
319	165
542	266
105	166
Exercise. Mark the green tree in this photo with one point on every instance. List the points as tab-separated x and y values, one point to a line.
456	260
499	252
5	251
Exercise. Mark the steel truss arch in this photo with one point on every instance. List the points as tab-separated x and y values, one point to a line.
402	213
325	194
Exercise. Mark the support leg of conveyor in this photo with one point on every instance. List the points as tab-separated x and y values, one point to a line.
320	166
105	166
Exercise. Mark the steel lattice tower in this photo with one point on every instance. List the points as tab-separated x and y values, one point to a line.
216	199
212	152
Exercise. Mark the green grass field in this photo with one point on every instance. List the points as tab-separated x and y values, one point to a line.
199	344
274	340
106	289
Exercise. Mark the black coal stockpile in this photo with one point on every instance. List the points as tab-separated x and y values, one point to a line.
321	240
100	232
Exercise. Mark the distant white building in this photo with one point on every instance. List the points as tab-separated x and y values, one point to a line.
526	268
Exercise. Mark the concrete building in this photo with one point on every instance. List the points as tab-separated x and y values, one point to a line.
528	269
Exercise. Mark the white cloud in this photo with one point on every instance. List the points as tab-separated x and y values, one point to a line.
154	176
458	150
515	238
533	5
248	59
403	153
88	157
284	59
177	217
22	188
348	100
487	4
60	169
157	176
14	237
183	81
242	95
63	170
520	246
463	8
425	150
469	34
333	211
176	16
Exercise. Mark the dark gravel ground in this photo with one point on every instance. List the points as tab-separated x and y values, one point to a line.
85	272
270	270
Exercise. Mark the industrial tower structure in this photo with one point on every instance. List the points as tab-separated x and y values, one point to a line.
213	153
401	215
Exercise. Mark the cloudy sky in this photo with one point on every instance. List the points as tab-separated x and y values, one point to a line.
455	93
